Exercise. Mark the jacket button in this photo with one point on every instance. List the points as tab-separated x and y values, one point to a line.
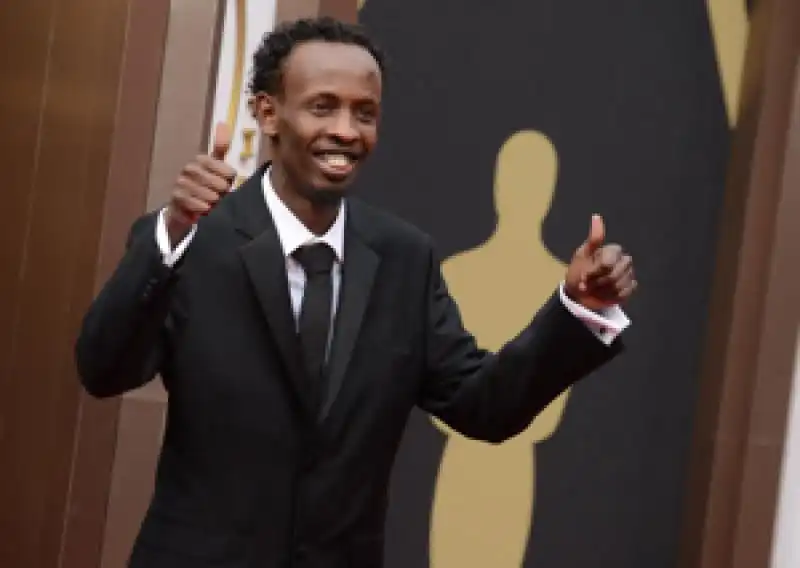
149	288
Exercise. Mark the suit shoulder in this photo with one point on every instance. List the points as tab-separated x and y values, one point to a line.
390	229
143	225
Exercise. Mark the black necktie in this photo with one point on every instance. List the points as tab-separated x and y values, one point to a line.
315	312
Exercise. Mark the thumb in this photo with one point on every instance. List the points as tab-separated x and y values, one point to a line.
221	142
597	234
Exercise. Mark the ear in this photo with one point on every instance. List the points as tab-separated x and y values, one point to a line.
265	111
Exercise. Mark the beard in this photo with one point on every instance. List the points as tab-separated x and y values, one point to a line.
325	197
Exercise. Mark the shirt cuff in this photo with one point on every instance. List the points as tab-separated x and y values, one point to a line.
606	325
162	240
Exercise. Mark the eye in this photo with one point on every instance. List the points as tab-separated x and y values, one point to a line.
321	106
366	113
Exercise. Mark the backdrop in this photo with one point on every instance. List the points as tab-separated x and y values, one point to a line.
507	124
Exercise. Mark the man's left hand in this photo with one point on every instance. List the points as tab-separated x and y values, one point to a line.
600	275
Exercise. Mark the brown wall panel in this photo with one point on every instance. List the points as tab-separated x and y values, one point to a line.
126	186
777	346
747	371
286	10
25	29
346	10
68	111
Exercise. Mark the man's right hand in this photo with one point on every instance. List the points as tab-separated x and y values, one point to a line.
200	186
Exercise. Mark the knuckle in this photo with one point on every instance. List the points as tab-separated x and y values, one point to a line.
199	206
178	193
191	169
218	166
219	185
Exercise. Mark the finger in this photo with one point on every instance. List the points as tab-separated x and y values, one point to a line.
206	178
217	167
223	135
628	290
597	234
193	207
603	261
615	292
618	270
192	189
189	204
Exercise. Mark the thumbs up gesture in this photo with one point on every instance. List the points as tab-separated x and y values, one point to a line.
600	275
200	185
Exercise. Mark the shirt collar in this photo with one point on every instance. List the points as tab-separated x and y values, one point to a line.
291	231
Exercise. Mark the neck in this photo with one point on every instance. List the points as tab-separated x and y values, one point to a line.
317	215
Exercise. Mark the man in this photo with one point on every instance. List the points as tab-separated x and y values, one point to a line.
295	328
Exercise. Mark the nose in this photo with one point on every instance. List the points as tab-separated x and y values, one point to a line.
343	127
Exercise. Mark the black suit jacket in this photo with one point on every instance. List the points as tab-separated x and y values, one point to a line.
249	474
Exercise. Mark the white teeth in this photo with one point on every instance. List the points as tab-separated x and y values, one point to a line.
337	160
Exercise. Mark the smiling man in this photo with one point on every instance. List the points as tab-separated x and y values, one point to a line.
295	328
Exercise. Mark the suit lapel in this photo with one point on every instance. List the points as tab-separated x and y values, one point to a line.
358	275
265	265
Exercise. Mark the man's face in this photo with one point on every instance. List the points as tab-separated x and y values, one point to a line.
325	119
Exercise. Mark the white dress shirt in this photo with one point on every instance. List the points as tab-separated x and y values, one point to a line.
606	326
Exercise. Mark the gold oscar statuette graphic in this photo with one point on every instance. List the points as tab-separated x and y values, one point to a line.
248	143
484	493
237	91
729	26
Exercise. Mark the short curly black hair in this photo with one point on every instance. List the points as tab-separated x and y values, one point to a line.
276	46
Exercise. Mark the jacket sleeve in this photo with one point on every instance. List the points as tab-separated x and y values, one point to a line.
493	397
121	342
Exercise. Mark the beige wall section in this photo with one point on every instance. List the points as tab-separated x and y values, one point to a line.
189	72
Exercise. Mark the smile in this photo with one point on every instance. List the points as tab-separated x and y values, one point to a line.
336	165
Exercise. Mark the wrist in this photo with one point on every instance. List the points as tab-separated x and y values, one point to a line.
583	300
177	228
570	292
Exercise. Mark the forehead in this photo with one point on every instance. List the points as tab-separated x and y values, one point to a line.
337	68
